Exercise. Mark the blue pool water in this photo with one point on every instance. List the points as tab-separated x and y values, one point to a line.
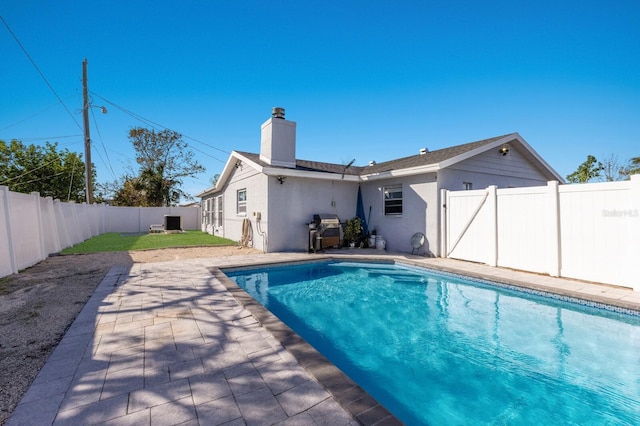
441	349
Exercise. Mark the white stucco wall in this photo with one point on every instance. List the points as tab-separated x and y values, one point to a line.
419	212
421	205
286	209
293	204
255	183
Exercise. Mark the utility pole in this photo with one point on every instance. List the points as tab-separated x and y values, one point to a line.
87	137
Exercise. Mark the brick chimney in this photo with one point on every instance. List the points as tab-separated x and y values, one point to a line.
278	140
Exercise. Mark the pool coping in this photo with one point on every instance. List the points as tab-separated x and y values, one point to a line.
594	300
362	406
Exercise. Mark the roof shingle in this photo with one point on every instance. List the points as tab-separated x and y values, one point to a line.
432	157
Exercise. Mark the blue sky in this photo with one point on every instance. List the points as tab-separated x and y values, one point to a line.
369	80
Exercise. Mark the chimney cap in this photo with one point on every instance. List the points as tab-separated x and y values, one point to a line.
277	112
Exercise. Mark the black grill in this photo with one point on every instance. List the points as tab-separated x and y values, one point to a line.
324	232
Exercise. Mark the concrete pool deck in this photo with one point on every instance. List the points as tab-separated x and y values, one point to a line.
178	343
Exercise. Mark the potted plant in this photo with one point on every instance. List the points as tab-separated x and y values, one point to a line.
352	231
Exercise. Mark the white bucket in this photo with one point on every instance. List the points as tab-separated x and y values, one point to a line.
372	241
381	244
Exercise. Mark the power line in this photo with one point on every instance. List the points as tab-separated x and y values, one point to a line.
31	116
206	144
206	153
28	172
158	125
40	72
43	178
108	162
45	138
73	171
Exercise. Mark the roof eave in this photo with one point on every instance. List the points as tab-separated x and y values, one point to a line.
546	168
473	152
235	158
276	171
411	171
553	174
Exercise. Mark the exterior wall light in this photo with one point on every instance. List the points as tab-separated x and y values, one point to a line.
281	179
504	150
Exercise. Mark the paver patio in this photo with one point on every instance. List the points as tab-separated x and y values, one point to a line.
166	343
172	343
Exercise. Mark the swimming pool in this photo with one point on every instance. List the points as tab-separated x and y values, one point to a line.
437	348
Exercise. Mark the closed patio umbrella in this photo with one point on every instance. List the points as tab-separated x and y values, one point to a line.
360	213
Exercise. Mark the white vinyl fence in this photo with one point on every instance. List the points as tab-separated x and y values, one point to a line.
32	227
587	231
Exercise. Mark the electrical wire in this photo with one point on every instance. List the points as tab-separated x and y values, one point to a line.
155	125
73	171
108	162
28	172
15	37
45	138
43	178
31	116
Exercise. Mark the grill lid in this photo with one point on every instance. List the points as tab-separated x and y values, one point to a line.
326	220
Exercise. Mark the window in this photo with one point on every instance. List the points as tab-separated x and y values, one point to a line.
393	199
206	211
468	186
219	211
242	202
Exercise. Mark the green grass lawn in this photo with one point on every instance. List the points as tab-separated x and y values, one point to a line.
114	241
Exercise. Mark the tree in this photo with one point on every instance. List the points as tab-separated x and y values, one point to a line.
165	160
612	169
633	167
588	170
42	169
130	193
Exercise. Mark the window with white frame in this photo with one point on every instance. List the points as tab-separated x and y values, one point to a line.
468	186
393	199
205	212
219	211
242	202
208	211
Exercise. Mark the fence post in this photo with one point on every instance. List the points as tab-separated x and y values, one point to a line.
7	215
41	228
492	206
103	215
442	250
634	233
554	251
53	223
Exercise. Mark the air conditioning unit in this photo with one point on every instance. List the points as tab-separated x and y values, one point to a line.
172	223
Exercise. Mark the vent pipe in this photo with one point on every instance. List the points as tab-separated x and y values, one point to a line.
277	112
424	151
372	163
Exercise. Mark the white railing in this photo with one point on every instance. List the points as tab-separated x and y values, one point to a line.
588	231
33	227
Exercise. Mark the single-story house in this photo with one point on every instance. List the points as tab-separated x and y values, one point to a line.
268	199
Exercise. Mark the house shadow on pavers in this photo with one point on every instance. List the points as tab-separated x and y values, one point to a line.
164	344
